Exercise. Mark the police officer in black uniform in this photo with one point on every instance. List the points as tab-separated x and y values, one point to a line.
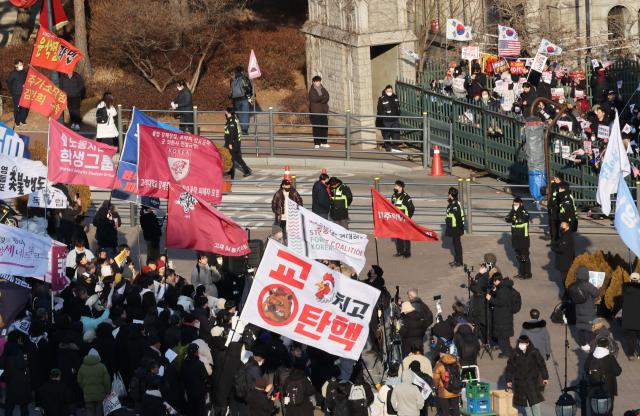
553	209
341	198
232	141
455	226
518	217
566	207
403	202
389	109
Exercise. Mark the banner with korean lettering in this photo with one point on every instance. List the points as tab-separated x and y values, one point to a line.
323	239
127	179
23	253
306	301
42	96
50	197
74	159
52	52
14	296
389	221
20	176
56	275
190	161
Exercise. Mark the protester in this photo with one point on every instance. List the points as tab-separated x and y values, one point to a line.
54	398
205	275
107	221
95	383
321	197
298	392
260	404
526	375
402	200
107	121
183	104
68	219
536	330
319	109
279	205
195	379
16	375
415	355
341	198
242	96
602	370
151	231
455	226
630	314
388	119
73	85
15	83
448	383
406	398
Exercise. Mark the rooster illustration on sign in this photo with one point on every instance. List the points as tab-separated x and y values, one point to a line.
326	289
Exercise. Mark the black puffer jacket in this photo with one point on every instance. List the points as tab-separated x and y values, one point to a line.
16	374
631	306
74	86
526	371
502	316
586	312
16	81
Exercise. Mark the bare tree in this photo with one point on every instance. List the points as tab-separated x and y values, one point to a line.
164	40
80	24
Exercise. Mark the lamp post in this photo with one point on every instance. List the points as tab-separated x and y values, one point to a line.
560	110
566	404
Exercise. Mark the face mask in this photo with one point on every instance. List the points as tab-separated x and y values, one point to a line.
516	206
389	93
485	97
522	347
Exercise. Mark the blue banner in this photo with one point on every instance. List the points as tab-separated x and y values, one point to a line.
627	220
128	166
13	144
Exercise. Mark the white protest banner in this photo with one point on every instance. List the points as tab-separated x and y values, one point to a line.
470	53
48	198
538	63
23	253
603	131
308	302
20	176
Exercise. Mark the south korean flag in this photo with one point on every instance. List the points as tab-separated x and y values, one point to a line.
456	30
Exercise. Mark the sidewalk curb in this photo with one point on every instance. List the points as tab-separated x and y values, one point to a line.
330	163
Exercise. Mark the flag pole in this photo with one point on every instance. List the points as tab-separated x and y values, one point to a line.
376	183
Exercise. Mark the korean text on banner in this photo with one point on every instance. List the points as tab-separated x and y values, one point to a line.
52	52
327	240
20	176
538	63
305	301
12	143
194	224
50	197
127	179
42	96
23	253
190	161
15	296
471	52
389	221
74	159
56	275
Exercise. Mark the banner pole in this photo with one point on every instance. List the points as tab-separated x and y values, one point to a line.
376	183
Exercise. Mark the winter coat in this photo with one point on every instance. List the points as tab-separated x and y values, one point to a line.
368	392
341	198
74	86
194	377
40	357
413	329
298	380
150	226
519	220
16	375
109	129
586	312
454	220
226	363
538	334
565	251
107	229
205	275
16	81
184	100
476	84
336	398
69	362
631	306
93	379
502	316
439	375
467	345
478	289
425	364
602	370
277	203
388	105
318	103
422	309
260	404
90	324
406	398
526	371
320	199
55	398
152	404
106	347
203	316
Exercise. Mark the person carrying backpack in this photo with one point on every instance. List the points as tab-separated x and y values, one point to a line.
244	381
297	392
583	295
447	378
382	404
241	95
360	394
406	398
602	370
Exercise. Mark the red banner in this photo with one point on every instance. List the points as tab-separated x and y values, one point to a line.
195	225
167	157
74	159
57	276
389	221
51	52
42	96
59	16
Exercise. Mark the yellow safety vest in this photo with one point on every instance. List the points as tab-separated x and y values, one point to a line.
339	196
452	216
525	226
226	128
399	203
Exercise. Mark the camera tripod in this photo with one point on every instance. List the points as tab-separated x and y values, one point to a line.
483	335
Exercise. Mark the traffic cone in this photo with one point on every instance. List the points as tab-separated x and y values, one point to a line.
436	164
287	173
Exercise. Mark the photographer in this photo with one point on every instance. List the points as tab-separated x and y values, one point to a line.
479	287
421	307
413	328
500	300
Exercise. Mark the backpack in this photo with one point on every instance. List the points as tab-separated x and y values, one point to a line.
102	117
576	294
516	301
357	398
240	384
294	390
452	378
390	409
239	87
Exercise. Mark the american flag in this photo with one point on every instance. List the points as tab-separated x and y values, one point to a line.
508	48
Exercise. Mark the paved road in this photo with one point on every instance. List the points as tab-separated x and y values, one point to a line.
428	269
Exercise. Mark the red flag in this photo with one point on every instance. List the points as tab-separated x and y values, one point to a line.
42	96
181	158
389	221
52	52
59	16
23	4
74	159
195	225
57	273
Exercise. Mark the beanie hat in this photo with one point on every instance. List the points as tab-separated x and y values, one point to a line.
94	353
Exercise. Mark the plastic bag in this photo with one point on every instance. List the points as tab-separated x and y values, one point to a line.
117	386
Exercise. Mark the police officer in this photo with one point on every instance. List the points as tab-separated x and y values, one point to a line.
553	209
341	198
455	226
388	112
566	206
232	140
518	217
403	202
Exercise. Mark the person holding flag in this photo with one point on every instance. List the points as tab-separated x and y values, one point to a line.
455	226
403	202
